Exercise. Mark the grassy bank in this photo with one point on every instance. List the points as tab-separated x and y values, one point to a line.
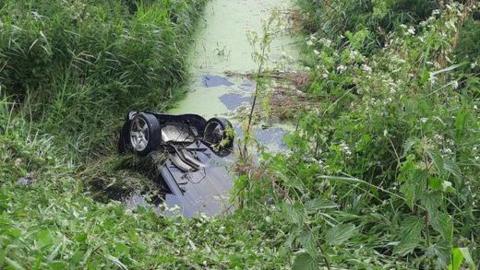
75	68
384	170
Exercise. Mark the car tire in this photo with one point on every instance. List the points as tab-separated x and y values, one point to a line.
218	131
144	133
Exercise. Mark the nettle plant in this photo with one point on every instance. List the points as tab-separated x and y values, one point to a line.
394	146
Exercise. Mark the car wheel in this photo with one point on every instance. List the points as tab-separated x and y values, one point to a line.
218	134
144	133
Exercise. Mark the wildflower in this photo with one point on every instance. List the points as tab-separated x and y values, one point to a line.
446	185
341	68
438	137
326	42
411	30
447	151
366	68
423	120
353	54
435	12
455	84
345	149
316	52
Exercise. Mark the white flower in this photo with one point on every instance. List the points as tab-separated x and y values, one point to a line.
455	84
353	54
341	68
438	137
309	43
411	30
436	12
345	148
446	185
366	68
326	42
423	120
316	52
447	151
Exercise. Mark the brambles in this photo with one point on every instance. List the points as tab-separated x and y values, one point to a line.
388	160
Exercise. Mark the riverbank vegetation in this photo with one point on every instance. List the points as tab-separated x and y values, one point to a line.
384	171
383	168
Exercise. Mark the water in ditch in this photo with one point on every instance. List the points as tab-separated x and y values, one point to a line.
222	47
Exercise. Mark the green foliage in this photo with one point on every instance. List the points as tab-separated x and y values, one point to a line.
51	223
75	65
383	173
392	145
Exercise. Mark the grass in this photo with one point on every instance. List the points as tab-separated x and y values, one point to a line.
74	66
382	173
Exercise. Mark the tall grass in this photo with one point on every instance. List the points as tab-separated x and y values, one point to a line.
78	66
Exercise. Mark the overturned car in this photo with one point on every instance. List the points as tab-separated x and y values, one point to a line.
194	170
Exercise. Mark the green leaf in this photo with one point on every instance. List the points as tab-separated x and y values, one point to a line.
457	259
304	261
319	204
413	181
459	255
13	264
292	213
435	183
432	201
443	224
340	233
308	243
460	122
58	265
468	258
411	235
44	238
